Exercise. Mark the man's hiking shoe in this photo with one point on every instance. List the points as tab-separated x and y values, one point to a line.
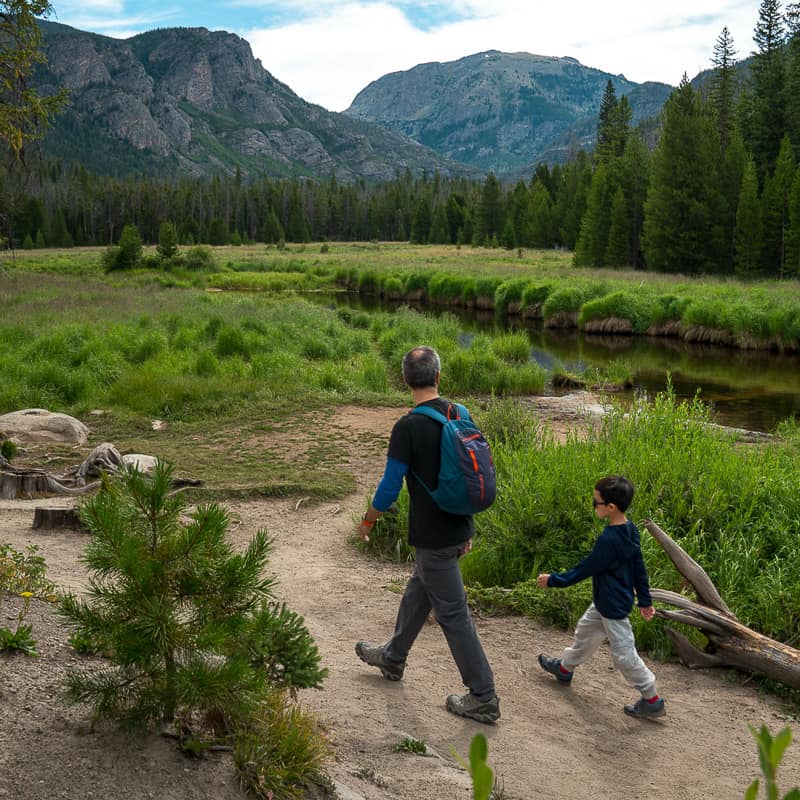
375	656
553	666
467	705
646	710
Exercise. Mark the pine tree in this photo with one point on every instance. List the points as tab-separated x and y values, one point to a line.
489	221
537	222
748	224
297	228
606	145
129	253
723	86
775	211
509	237
439	228
684	211
769	100
635	180
421	224
271	230
793	239
793	77
189	624
618	249
167	241
732	171
592	241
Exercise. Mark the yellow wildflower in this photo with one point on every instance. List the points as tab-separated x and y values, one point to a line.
26	594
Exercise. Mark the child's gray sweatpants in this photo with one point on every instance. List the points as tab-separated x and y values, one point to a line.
590	632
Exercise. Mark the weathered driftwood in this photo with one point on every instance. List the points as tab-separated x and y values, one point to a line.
29	482
730	643
49	518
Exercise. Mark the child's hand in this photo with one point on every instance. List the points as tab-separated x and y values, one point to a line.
647	612
542	580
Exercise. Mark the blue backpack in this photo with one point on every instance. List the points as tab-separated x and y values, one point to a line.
467	482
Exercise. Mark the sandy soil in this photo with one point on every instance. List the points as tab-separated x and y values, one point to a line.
551	742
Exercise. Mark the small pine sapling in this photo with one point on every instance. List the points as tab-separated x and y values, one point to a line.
189	625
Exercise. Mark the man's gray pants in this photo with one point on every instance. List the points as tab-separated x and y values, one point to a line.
590	632
437	584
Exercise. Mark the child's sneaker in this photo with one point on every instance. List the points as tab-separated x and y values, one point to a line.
375	656
553	666
643	708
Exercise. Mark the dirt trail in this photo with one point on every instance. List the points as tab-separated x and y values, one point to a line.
551	741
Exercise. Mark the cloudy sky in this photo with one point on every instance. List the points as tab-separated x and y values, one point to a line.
328	50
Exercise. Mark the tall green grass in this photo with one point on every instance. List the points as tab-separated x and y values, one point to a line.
734	508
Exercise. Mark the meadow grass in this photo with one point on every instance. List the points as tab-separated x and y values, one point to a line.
764	314
734	508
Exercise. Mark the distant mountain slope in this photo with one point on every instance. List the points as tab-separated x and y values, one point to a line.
191	101
500	111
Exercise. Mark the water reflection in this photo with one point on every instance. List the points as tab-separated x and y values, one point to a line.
750	389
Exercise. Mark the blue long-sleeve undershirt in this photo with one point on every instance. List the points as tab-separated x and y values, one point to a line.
390	485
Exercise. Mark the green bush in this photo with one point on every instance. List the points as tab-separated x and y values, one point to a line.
535	295
199	259
509	292
734	510
512	347
445	287
368	283
634	307
188	622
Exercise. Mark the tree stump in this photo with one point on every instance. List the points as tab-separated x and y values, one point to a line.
730	643
49	518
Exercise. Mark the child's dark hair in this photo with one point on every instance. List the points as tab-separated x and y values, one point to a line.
615	489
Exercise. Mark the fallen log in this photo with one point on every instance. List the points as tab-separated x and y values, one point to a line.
730	643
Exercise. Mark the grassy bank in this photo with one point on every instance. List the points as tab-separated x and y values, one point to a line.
541	284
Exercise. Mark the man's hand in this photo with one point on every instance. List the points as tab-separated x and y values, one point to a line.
542	580
466	548
363	530
647	612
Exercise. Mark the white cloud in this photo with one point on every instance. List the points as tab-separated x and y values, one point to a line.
334	53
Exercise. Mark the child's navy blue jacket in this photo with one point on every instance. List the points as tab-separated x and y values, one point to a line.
616	568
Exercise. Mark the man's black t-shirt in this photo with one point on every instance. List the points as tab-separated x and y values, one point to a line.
416	441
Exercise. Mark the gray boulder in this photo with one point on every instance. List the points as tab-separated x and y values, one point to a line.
37	425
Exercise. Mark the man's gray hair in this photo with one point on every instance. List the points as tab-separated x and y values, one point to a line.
421	365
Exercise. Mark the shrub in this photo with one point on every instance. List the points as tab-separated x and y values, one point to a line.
189	622
416	282
368	283
509	292
534	295
129	253
231	342
513	347
281	751
445	287
199	259
634	307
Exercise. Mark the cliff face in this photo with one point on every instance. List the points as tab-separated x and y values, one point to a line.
191	101
500	111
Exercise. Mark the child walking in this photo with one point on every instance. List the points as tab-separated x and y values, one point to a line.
617	570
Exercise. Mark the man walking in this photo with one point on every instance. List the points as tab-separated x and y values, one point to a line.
439	539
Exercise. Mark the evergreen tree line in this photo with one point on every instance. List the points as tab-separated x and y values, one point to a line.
720	193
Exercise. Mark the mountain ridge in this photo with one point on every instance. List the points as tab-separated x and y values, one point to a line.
194	101
500	111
